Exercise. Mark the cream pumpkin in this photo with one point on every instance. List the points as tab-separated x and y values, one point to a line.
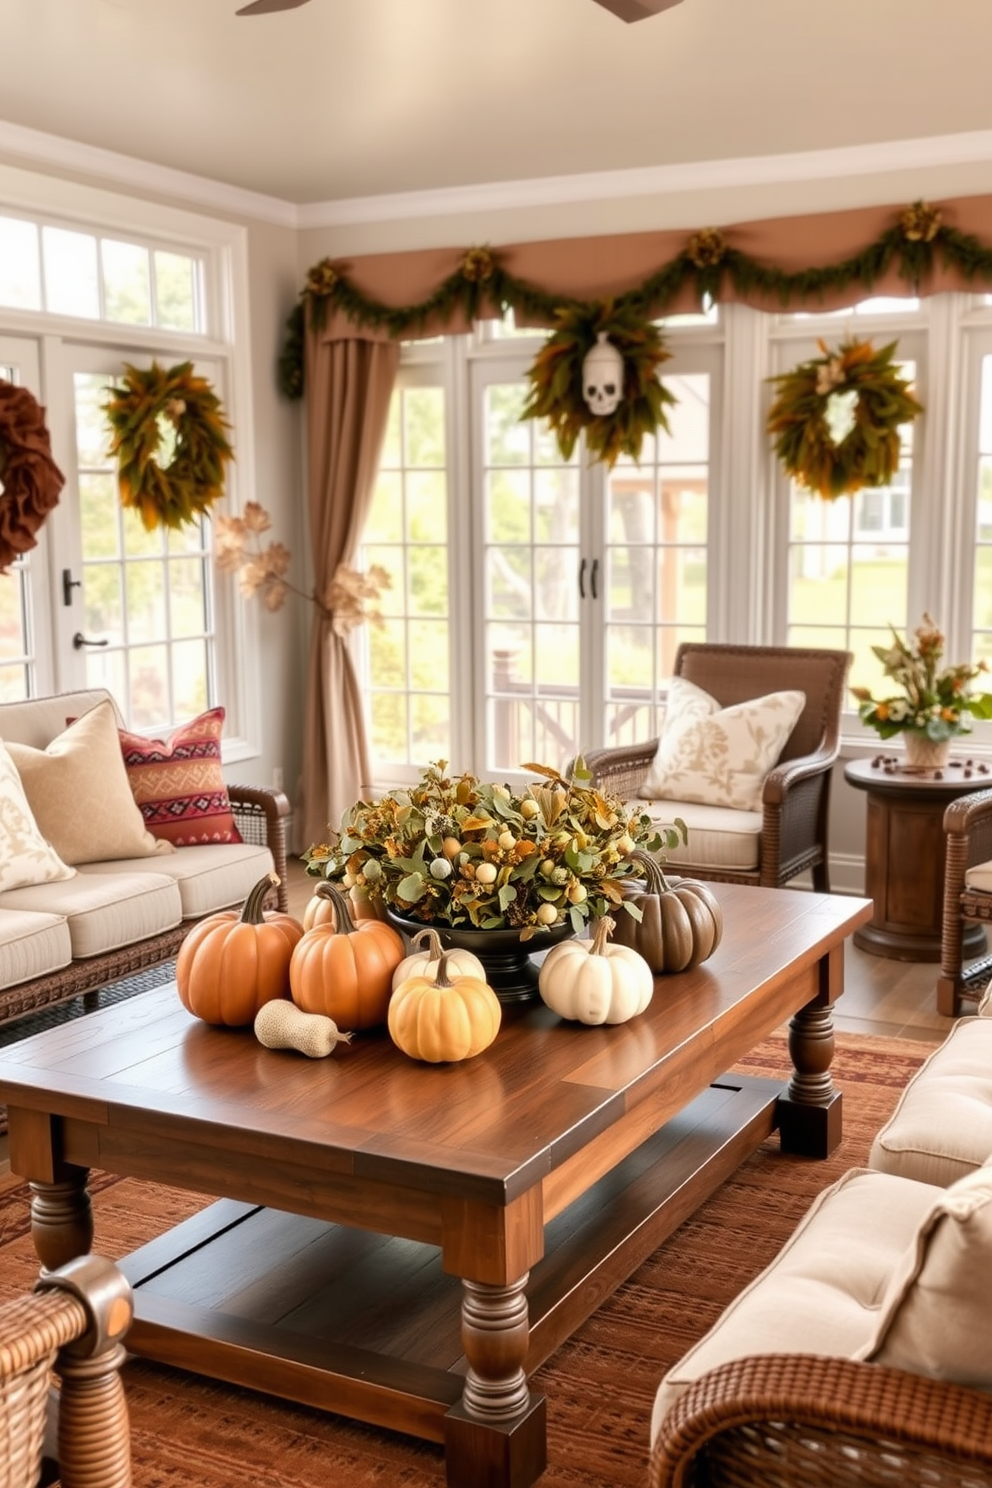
594	981
425	960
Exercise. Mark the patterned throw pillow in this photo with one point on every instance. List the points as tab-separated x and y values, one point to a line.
177	782
25	857
719	756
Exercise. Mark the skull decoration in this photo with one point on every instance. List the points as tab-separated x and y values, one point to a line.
602	376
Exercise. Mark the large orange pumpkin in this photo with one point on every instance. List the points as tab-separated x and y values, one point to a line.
346	973
233	962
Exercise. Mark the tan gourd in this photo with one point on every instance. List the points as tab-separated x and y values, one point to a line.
425	962
233	962
594	981
443	1019
681	924
282	1025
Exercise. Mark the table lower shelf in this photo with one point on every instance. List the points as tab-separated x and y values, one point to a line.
368	1325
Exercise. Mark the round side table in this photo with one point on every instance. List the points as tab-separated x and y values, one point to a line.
904	854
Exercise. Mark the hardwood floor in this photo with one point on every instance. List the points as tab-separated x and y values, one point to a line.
893	999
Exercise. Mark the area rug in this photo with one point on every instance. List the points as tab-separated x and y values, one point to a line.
192	1433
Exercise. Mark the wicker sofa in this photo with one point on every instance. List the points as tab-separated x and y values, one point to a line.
113	918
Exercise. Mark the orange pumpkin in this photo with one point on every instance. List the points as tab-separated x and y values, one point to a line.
346	973
233	962
319	909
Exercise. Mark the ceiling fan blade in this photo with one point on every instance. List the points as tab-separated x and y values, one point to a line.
637	10
264	7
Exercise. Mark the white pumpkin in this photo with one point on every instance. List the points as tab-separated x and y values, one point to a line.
424	963
595	982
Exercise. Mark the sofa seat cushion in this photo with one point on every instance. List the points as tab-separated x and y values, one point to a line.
208	876
105	910
719	837
32	945
942	1127
823	1292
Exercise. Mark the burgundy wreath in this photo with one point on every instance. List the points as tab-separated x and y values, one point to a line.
30	480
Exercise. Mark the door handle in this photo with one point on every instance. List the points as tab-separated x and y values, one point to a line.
79	641
594	578
582	579
68	584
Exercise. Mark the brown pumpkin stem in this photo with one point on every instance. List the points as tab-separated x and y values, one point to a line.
441	977
343	922
251	911
430	937
604	929
657	882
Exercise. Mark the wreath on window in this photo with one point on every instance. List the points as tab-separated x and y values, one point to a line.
559	384
170	443
30	480
836	418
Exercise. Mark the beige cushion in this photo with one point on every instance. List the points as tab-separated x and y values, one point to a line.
105	910
209	876
942	1127
25	856
719	756
936	1315
717	837
31	945
979	877
822	1292
79	793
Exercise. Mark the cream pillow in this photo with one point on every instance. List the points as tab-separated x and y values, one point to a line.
25	857
719	756
936	1312
78	790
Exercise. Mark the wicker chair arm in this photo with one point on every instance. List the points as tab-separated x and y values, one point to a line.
782	779
806	1421
261	816
621	771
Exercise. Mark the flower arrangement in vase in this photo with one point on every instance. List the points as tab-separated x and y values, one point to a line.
933	704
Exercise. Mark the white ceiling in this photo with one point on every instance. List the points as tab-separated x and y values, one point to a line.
355	98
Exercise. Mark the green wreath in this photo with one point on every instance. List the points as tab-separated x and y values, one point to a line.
162	407
855	386
556	381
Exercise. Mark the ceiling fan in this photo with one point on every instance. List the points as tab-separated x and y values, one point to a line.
627	10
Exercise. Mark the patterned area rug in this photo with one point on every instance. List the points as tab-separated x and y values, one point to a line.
191	1433
78	1007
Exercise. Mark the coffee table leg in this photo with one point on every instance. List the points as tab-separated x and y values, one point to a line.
61	1218
496	1437
810	1112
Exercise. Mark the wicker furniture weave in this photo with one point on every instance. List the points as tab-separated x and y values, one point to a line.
796	796
799	1421
261	819
967	841
72	1326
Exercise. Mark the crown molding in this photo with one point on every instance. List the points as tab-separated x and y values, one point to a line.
974	148
126	170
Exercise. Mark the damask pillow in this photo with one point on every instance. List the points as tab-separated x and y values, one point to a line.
177	782
936	1312
25	857
78	792
719	756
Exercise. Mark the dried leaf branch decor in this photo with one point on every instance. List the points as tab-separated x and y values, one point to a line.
169	440
351	597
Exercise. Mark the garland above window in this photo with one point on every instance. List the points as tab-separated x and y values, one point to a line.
30	480
479	285
169	443
836	418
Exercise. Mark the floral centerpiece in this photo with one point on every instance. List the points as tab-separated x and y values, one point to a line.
455	851
933	703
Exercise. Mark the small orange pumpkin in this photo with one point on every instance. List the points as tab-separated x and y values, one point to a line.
319	910
233	962
346	973
441	1018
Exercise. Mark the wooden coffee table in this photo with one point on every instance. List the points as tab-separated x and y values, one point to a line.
406	1244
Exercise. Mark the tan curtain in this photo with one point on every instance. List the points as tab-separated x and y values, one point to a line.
349	384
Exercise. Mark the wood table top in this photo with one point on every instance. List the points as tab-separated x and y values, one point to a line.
493	1125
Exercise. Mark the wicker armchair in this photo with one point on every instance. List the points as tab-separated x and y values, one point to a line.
72	1326
796	796
803	1421
968	844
